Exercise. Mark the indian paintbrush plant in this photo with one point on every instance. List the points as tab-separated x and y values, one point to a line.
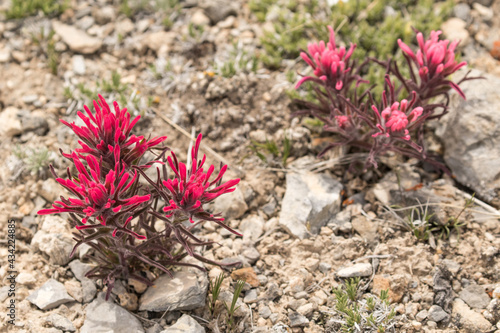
135	226
393	121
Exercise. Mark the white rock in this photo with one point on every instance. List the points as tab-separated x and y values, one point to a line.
199	18
252	227
11	124
4	55
309	203
26	278
455	29
106	316
77	40
124	27
231	205
50	295
357	270
185	324
78	62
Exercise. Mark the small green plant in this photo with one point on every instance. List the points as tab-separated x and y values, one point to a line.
195	31
47	44
371	314
35	160
215	291
263	150
113	85
239	61
231	324
419	222
24	8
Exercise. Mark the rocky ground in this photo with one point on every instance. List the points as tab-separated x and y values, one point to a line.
307	227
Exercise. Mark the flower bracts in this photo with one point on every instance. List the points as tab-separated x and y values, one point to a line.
117	215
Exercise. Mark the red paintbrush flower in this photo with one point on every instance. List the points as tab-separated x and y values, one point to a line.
435	61
328	61
190	190
98	196
106	130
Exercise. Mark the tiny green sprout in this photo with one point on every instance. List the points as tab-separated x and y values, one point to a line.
215	291
232	309
352	288
370	303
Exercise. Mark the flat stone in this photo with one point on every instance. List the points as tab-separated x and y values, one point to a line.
11	124
251	296
297	320
89	288
185	291
185	324
252	227
231	205
469	320
309	203
77	40
105	316
471	135
26	278
437	314
50	295
60	322
475	296
357	270
57	246
366	228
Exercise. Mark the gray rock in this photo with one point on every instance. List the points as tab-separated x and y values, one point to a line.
252	227
50	190
462	11
56	245
35	124
251	296
475	296
107	317
78	63
422	315
265	312
30	99
324	267
185	324
218	10
11	124
309	202
468	320
88	286
60	322
437	314
471	136
297	320
452	266
85	23
50	295
251	254
185	291
104	15
232	205
357	270
77	40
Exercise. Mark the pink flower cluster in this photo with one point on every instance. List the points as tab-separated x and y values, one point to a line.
328	62
435	59
394	119
106	130
190	190
99	196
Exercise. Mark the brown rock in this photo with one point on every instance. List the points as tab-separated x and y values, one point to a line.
395	285
246	274
129	301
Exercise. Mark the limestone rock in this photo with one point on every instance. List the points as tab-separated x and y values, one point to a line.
309	203
77	40
185	291
105	317
185	324
50	295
